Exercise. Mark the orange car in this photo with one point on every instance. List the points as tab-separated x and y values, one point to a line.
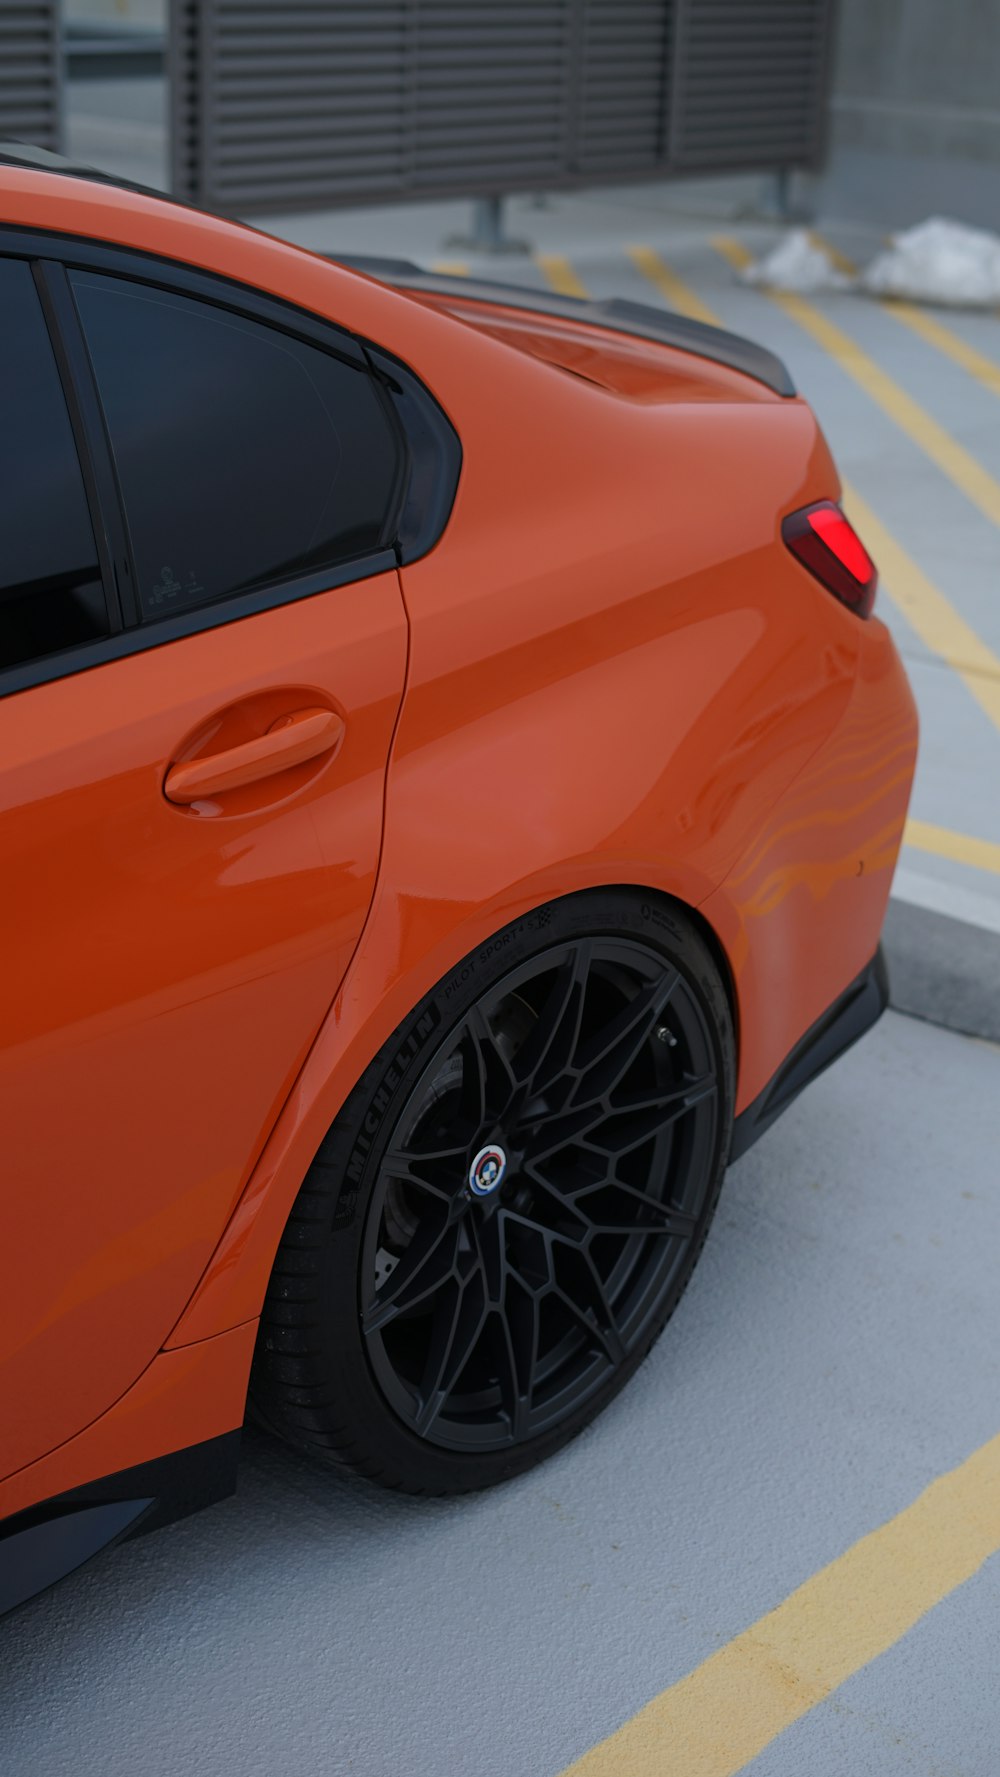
450	783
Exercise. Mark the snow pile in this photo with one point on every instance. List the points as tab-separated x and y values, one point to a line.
938	261
797	263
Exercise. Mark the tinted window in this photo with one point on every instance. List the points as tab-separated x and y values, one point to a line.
50	584
244	456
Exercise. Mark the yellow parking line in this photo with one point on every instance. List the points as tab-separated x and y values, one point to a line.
739	257
560	274
718	1718
670	286
983	854
960	466
451	268
985	370
944	340
837	259
936	621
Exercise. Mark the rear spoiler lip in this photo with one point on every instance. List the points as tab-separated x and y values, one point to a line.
616	315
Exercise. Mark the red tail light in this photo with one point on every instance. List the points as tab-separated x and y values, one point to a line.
832	550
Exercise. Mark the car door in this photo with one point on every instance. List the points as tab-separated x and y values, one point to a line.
203	649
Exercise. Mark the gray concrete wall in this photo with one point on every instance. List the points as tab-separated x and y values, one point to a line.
919	77
915	111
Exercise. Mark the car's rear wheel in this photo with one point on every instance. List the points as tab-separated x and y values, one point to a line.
508	1207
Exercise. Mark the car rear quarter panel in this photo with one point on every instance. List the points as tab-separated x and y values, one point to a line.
616	671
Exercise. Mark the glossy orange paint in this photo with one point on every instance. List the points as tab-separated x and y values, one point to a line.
172	967
614	673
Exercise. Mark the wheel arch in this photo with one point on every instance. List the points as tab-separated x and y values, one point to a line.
720	956
358	1024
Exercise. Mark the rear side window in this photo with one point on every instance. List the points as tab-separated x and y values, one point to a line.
51	596
244	455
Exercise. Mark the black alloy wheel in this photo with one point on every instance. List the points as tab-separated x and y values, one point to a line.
530	1210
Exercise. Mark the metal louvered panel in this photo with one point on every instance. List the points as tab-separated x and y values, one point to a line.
188	174
750	84
30	109
345	101
624	82
285	106
490	92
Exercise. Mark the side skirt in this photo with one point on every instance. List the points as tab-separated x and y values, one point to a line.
834	1032
50	1541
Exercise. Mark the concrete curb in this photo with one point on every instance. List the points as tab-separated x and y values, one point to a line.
943	970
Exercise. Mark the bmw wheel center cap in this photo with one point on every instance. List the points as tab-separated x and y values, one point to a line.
487	1171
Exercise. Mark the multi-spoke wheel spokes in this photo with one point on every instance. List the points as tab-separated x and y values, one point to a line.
590	1070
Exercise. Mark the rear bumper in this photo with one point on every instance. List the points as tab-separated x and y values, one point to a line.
839	1028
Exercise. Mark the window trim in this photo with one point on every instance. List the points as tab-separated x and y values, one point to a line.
357	363
50	256
92	443
144	637
82	434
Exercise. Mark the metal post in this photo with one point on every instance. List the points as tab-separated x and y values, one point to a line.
783	193
781	199
487	224
487	235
